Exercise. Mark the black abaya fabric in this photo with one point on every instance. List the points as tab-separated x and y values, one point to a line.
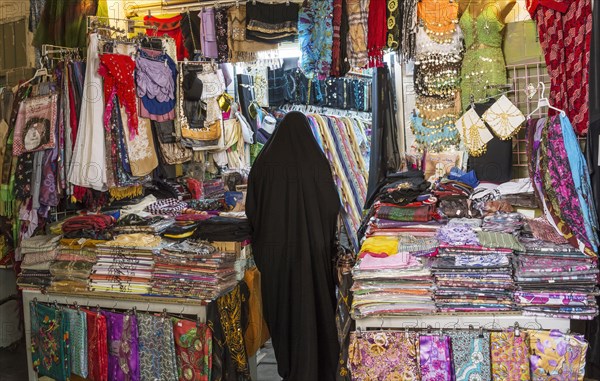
292	205
385	154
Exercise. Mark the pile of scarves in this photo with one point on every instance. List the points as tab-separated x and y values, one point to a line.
392	277
125	264
193	269
72	268
467	355
556	280
38	254
93	226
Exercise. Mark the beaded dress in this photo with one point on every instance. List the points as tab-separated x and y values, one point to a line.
483	63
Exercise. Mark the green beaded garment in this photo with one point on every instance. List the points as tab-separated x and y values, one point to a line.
483	63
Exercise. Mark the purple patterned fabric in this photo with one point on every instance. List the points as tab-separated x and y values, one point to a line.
154	80
457	234
123	356
435	358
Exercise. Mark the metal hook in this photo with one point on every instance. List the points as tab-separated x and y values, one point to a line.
381	326
517	329
181	313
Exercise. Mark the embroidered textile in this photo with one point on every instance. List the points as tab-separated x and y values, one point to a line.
78	341
193	347
381	355
49	342
510	356
123	356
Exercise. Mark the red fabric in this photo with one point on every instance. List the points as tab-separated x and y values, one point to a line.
565	39
559	6
172	28
97	346
117	70
95	222
377	32
335	47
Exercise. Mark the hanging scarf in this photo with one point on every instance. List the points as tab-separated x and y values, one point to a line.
335	48
117	70
221	31
358	17
240	49
315	32
377	32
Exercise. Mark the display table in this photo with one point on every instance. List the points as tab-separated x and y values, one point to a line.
107	300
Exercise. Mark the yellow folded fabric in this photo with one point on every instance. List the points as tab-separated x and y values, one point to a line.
380	244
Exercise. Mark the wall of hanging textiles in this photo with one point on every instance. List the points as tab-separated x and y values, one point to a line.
103	344
466	355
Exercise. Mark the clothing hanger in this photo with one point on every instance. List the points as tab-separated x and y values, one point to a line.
544	102
39	73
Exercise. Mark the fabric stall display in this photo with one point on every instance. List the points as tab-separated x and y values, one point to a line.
38	254
467	355
307	312
391	279
293	86
341	144
125	264
439	49
193	269
555	280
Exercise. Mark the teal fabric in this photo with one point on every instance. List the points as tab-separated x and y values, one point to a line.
50	342
78	342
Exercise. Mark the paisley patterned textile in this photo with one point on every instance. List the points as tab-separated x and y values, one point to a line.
123	357
435	358
510	356
157	348
471	354
78	341
193	348
49	342
556	356
382	355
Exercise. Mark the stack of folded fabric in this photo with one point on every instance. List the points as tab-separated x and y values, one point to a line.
453	196
38	254
134	223
94	226
388	282
510	223
193	269
73	265
224	229
469	277
125	264
556	280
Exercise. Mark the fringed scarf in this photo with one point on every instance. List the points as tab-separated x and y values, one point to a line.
376	41
240	49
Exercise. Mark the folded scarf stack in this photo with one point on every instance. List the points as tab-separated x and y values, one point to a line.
38	254
193	269
73	265
125	264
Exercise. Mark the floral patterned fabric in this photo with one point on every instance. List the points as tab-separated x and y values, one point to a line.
510	356
383	356
471	354
435	358
49	342
193	346
157	351
556	356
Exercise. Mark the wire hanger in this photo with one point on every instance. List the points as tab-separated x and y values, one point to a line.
39	73
544	102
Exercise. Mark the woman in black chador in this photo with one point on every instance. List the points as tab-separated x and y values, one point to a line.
293	204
